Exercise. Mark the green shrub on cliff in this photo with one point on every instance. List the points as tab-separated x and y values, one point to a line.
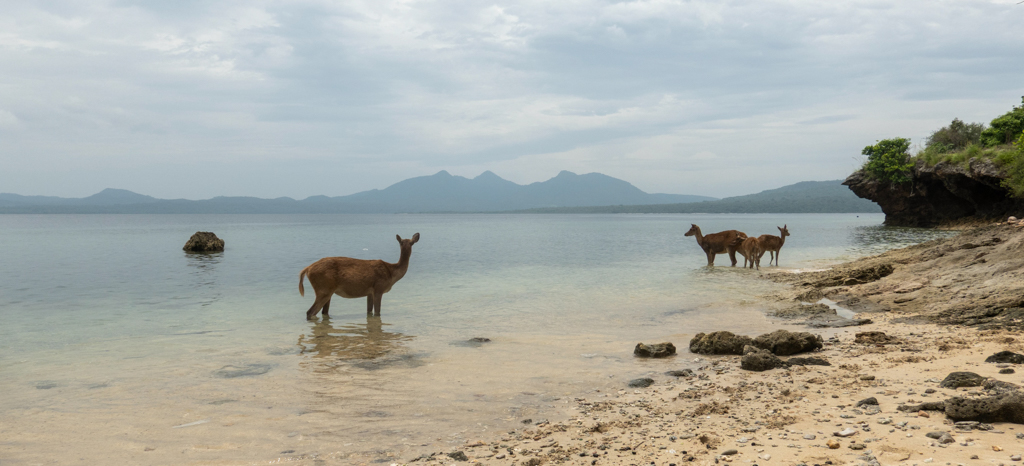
888	160
1013	163
1004	129
957	136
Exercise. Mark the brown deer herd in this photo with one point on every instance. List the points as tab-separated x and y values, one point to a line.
357	278
733	241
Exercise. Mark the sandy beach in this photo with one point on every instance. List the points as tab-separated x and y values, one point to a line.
934	309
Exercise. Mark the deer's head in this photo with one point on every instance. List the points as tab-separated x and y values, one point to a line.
407	243
694	229
784	230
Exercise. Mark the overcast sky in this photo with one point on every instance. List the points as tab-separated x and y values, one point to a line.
200	98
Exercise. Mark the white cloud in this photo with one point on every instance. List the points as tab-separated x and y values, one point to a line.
715	97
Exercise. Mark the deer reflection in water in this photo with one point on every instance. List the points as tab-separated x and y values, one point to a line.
351	341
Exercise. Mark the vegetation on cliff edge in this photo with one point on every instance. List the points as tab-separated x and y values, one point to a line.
1002	142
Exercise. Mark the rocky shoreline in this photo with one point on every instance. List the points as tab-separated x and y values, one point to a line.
907	382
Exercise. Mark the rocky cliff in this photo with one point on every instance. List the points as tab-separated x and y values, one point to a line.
940	194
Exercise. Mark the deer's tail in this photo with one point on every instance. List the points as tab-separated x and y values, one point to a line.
302	275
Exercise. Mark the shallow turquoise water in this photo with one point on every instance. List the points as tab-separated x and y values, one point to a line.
104	317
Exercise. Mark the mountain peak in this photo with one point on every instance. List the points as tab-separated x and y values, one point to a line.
565	174
487	175
443	174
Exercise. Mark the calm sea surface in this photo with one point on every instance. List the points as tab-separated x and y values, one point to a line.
118	347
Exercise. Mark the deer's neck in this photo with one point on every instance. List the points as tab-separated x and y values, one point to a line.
700	237
783	241
403	265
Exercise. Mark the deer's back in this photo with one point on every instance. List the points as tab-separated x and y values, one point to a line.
770	242
719	242
348	277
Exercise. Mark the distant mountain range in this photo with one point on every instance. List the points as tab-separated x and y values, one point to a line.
802	197
440	192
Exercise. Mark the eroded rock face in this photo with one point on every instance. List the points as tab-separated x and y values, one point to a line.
962	379
722	342
785	343
940	194
657	350
204	241
1005	407
759	360
1006	357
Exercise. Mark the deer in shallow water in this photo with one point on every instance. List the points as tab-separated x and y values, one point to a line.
751	249
354	278
716	243
772	244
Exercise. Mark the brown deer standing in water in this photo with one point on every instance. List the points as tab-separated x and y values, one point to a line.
717	243
751	249
772	244
355	278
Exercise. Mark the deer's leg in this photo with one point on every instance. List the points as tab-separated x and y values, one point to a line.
732	256
369	304
321	300
327	305
777	254
376	303
711	258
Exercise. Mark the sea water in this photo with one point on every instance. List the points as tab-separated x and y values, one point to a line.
118	347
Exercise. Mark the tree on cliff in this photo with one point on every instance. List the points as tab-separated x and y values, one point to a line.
957	136
888	160
1004	129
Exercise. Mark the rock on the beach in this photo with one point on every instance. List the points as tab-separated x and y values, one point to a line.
1007	371
657	350
204	241
847	432
759	360
867	401
872	338
962	379
722	342
785	343
641	383
682	373
458	456
807	362
833	444
1005	407
999	385
1006	357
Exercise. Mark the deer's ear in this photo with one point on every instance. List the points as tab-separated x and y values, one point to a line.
399	238
415	238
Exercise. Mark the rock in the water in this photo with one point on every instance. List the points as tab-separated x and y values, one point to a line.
785	343
204	241
759	360
657	350
682	373
807	362
837	322
245	370
1005	407
1006	357
872	338
962	379
719	343
641	383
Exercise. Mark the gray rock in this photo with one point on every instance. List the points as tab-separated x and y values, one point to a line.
946	439
759	360
962	379
641	383
837	322
1006	357
730	452
785	343
1007	371
458	456
935	435
722	342
872	338
245	370
1000	386
657	350
1005	407
807	362
867	401
682	373
929	406
204	241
